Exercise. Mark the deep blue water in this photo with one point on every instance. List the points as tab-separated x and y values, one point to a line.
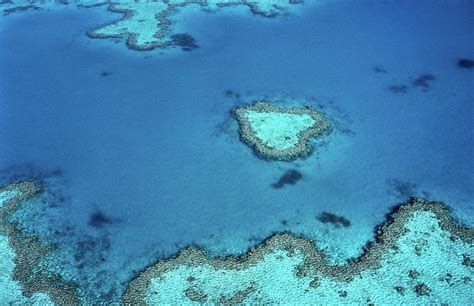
152	145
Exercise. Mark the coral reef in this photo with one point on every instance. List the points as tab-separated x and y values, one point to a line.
25	280
278	132
8	7
144	24
422	289
148	26
289	269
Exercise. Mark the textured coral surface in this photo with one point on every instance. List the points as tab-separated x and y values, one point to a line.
419	257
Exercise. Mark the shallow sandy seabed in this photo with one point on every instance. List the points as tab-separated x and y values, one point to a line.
146	24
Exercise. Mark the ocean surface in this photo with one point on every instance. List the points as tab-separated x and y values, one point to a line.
140	155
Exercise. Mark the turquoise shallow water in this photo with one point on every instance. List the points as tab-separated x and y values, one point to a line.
152	147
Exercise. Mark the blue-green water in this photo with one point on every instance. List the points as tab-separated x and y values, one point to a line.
152	146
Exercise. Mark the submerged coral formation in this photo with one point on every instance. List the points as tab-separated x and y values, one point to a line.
398	88
278	132
290	177
8	7
22	278
144	24
420	255
147	25
417	257
466	63
423	81
19	8
337	221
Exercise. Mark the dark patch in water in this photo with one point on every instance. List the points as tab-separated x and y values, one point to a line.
466	63
26	171
290	177
91	251
231	94
336	220
19	9
398	88
403	190
57	172
105	74
379	69
423	81
98	220
467	261
185	41
341	119
92	5
227	126
256	239
422	290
